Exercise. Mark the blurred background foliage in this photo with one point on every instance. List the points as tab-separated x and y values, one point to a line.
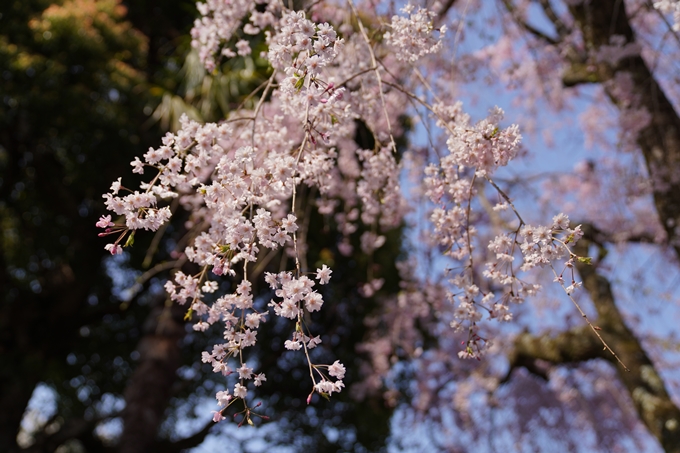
85	86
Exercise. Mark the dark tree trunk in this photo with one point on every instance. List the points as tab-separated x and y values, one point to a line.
150	388
16	391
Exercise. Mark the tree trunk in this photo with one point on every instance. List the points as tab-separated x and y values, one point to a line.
150	388
659	141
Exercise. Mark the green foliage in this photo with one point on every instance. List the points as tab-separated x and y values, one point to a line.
68	79
73	94
585	259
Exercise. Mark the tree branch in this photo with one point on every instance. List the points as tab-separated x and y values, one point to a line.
441	14
646	388
600	237
643	382
560	27
188	442
574	346
510	7
659	141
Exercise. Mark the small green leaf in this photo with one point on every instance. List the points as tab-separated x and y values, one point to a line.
187	316
300	82
130	240
585	259
334	120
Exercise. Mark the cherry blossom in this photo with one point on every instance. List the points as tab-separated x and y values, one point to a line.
239	180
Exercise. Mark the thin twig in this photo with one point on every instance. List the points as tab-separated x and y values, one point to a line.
507	199
374	63
592	327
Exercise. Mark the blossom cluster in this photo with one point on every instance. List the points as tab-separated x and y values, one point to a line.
476	151
539	246
239	181
217	25
670	7
179	163
411	37
301	45
484	146
198	164
301	50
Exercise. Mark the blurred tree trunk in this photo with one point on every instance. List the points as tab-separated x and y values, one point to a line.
149	390
37	331
659	140
17	391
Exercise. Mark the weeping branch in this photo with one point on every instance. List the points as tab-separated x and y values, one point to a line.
526	26
643	382
192	441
